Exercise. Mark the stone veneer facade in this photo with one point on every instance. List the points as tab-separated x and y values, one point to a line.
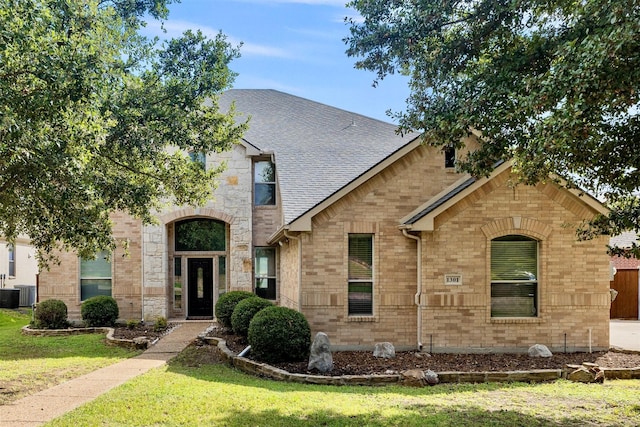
150	249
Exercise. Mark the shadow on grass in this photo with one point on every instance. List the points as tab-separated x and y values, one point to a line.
16	346
426	415
407	406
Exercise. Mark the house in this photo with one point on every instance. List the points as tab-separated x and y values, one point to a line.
373	236
19	268
626	281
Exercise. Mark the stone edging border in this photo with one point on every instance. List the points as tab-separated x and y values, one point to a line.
26	330
262	369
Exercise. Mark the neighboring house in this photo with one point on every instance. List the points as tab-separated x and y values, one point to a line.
626	280
18	266
371	235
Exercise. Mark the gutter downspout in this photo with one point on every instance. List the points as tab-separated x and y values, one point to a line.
288	236
418	294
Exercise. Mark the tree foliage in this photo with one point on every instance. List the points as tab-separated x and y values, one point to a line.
553	85
95	118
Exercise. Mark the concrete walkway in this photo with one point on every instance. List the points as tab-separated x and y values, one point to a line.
46	405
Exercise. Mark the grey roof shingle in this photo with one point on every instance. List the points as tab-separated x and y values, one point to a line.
318	149
442	200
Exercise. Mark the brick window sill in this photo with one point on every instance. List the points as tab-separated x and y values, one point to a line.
362	319
515	320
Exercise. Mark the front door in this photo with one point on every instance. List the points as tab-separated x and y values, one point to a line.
200	285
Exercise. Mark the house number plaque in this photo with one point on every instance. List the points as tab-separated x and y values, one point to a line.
453	279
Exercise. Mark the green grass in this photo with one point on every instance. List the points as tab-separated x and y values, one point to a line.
29	364
194	390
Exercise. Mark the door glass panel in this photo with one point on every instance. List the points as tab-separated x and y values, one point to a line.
222	275
200	283
177	283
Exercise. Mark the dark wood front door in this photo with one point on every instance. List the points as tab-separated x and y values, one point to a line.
200	287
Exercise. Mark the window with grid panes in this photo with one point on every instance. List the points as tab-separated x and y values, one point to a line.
360	286
11	252
514	276
95	276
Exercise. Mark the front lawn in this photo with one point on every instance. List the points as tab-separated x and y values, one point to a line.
195	390
29	364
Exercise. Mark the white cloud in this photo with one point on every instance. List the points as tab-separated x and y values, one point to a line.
338	3
175	28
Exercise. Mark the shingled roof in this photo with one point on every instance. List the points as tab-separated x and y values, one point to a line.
318	149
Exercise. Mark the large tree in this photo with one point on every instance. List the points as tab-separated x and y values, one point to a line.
95	118
553	85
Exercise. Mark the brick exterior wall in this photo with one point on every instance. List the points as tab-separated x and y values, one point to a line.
573	276
288	279
573	285
63	281
375	207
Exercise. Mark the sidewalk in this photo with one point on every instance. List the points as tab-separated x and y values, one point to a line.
48	404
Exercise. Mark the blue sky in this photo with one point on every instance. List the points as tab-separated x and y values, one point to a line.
294	46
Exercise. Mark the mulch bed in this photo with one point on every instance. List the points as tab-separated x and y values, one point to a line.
364	363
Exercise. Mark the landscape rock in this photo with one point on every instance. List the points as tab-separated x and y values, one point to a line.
413	378
539	350
419	378
431	377
320	357
141	342
587	373
385	350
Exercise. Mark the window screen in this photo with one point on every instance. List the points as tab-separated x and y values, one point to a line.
95	276
360	287
514	277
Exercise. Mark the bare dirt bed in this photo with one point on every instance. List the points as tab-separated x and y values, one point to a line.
140	330
364	363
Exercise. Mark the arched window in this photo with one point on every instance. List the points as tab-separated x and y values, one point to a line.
514	276
200	235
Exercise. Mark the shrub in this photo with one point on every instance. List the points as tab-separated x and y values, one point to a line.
50	314
226	303
160	324
244	312
132	323
279	334
101	310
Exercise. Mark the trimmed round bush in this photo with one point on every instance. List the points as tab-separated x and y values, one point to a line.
50	314
226	303
279	334
244	312
101	310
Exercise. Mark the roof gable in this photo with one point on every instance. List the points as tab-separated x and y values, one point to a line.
318	149
423	218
